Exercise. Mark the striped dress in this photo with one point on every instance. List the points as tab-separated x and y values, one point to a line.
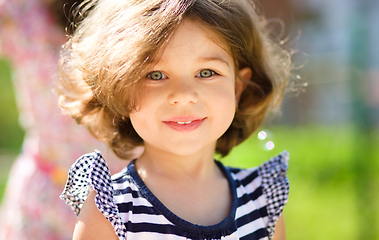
258	197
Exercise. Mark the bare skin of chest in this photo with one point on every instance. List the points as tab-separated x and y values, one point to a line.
202	203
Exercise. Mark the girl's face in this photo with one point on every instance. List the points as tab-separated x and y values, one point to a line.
189	98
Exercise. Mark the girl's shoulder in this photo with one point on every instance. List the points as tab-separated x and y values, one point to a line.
266	184
90	171
271	172
276	166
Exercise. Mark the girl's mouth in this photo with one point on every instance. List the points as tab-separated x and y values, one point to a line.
184	122
185	126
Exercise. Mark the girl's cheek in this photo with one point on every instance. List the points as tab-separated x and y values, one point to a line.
150	94
149	97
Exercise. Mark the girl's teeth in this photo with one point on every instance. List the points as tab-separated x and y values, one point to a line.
185	122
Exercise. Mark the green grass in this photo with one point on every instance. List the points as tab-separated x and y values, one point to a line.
11	133
324	201
2	188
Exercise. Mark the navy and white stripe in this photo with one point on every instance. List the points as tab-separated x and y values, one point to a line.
258	197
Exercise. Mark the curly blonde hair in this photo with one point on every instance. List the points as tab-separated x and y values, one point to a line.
103	63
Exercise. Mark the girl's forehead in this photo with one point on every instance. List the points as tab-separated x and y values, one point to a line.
192	34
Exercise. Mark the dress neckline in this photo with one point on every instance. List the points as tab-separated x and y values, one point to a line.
172	217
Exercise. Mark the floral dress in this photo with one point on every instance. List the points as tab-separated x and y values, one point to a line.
31	208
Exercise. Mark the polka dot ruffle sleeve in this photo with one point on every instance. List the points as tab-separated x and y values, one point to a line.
276	187
91	171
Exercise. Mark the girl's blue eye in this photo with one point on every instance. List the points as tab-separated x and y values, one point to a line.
156	75
206	73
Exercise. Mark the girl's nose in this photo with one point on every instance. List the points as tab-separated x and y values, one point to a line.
182	92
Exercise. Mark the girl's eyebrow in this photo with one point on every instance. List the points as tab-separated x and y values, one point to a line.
210	58
214	59
201	60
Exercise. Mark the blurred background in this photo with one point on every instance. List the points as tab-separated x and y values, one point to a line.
330	127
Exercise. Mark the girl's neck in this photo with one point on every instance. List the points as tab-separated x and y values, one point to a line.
193	187
156	162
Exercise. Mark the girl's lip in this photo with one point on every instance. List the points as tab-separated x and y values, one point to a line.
184	119
184	124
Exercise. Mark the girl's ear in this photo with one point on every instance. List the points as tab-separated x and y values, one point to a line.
243	77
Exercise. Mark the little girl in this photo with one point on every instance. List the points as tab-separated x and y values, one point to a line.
185	79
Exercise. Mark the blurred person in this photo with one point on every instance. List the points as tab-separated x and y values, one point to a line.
31	34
